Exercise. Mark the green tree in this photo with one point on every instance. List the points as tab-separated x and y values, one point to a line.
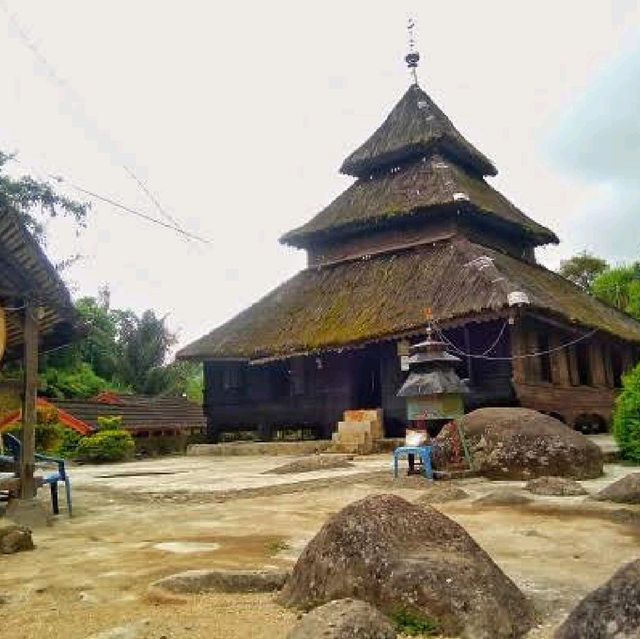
35	201
145	342
184	379
99	348
626	417
582	269
620	287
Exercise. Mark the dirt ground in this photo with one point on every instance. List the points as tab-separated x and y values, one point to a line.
137	522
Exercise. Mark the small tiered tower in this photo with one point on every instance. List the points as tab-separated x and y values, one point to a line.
433	390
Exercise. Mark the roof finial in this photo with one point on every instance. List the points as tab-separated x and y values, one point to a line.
413	56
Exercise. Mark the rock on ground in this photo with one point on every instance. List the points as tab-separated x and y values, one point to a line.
316	462
519	443
441	493
195	581
14	538
555	486
609	612
130	631
503	497
400	556
624	491
344	619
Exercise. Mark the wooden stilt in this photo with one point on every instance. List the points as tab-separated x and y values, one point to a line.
30	388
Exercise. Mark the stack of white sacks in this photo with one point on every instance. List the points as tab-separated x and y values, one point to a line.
359	432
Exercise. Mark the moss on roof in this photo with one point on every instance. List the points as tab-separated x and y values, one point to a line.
416	126
420	188
364	300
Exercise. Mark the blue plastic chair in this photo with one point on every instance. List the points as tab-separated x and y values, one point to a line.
14	446
422	452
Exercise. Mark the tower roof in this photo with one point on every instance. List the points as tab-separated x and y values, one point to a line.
417	189
415	127
333	307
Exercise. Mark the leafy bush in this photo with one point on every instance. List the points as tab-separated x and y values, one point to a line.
49	433
626	418
409	623
112	422
79	381
106	446
68	445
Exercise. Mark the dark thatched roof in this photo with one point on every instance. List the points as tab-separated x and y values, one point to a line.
369	299
428	186
27	273
415	127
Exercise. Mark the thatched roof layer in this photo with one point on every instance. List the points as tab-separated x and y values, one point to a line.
351	303
416	126
425	187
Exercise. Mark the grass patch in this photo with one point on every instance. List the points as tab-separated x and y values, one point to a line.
279	545
409	623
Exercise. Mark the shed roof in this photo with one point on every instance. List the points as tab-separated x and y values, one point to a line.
416	126
139	413
353	302
421	188
26	272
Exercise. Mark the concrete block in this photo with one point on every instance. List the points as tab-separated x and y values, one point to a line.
364	415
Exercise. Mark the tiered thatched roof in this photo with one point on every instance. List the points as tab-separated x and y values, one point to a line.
416	165
354	302
429	186
414	128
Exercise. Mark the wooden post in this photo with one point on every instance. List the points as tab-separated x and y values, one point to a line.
596	360
30	389
467	348
518	347
560	366
608	364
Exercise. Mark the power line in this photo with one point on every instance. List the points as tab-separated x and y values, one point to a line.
67	88
119	205
151	196
135	212
514	357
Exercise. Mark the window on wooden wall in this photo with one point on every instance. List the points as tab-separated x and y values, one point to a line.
545	357
617	366
281	381
232	379
583	362
298	376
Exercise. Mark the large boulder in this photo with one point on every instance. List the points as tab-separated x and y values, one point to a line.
196	581
14	538
503	497
344	619
407	559
609	612
519	443
440	493
624	491
555	486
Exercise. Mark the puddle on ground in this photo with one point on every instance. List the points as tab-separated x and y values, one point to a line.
186	547
145	473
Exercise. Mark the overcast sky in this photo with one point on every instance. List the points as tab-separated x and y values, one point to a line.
238	115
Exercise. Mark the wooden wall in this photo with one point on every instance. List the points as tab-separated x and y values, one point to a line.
577	384
315	391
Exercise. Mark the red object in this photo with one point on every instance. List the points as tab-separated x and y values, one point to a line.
109	397
66	419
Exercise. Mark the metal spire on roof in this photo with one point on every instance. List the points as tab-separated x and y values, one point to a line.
412	58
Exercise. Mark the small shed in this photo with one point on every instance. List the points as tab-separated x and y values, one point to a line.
37	315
